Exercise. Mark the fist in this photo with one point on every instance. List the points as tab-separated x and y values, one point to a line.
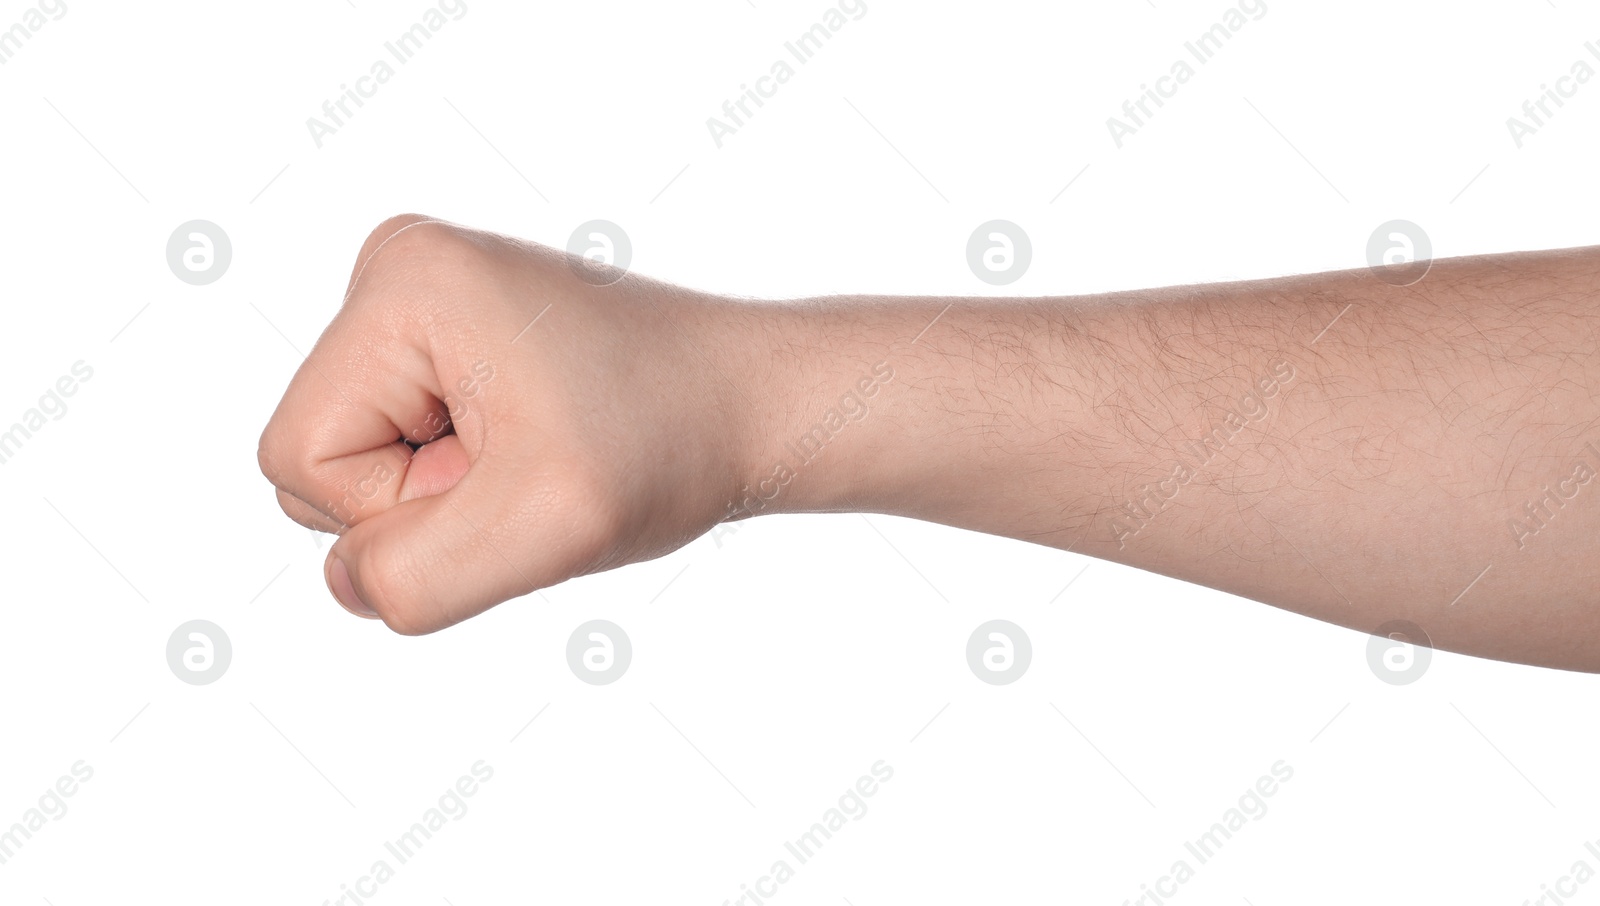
481	420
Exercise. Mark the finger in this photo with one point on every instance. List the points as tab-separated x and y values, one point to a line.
307	515
434	561
435	468
336	439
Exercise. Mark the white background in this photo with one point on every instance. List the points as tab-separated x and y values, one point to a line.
775	665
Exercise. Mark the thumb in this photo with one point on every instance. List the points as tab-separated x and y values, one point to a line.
435	468
432	561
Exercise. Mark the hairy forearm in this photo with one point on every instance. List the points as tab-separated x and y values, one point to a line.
1330	444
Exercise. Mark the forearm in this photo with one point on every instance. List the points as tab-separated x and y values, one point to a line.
1331	444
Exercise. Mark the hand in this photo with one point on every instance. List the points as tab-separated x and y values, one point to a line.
560	427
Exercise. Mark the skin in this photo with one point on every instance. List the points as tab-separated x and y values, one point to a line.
1336	445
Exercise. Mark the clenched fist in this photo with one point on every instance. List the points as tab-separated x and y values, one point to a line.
483	418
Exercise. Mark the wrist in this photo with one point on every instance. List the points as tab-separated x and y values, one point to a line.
825	406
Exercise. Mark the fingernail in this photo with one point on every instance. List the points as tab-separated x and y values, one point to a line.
344	592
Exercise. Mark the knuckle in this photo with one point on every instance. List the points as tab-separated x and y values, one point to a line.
265	463
414	262
390	229
416	243
382	577
293	509
390	578
402	625
283	459
272	455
